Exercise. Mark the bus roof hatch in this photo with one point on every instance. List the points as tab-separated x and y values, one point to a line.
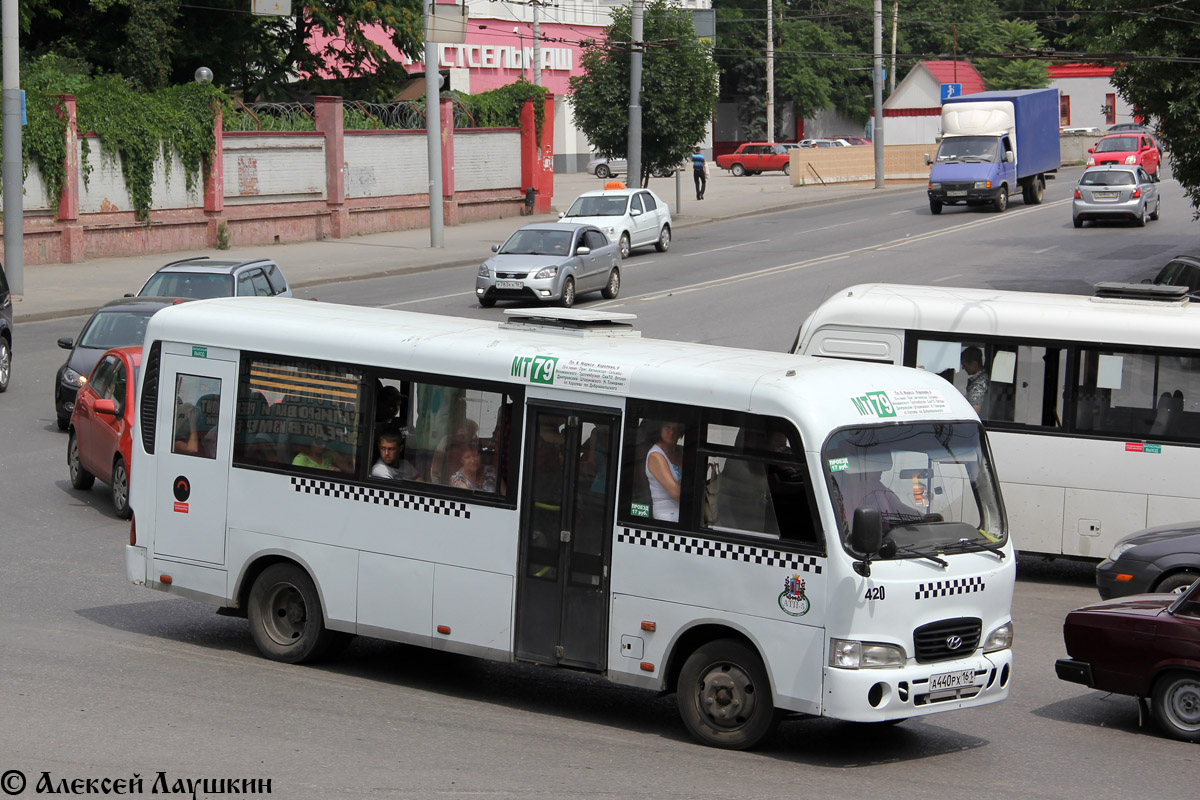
570	321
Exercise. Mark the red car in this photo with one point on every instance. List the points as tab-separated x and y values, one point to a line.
752	158
100	439
1147	645
1128	149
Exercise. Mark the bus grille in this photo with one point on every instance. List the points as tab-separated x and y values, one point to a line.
947	639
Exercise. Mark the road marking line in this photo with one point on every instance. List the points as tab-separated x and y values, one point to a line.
426	299
1044	250
730	247
947	278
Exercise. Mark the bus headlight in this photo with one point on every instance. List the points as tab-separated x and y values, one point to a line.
849	654
999	639
983	184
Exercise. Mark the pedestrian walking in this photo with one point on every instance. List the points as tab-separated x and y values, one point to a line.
699	173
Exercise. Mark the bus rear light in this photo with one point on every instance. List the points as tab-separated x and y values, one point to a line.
443	629
164	579
647	666
649	626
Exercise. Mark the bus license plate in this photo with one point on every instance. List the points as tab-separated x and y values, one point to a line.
1105	195
957	193
952	680
509	285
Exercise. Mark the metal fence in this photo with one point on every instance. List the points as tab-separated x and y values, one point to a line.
357	115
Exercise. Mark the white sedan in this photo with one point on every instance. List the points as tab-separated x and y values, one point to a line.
630	217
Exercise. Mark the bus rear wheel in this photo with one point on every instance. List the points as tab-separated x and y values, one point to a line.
285	616
725	696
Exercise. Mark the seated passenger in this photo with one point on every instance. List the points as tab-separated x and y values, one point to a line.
472	474
391	463
313	455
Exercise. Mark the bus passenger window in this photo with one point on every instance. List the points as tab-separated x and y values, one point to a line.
753	482
197	412
655	481
453	424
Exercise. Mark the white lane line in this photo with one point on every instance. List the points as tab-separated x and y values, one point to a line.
1044	250
730	247
829	227
427	299
770	271
905	211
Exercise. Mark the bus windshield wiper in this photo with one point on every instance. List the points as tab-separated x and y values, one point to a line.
965	544
919	553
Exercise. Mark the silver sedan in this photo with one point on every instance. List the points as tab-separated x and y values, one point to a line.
550	262
1115	191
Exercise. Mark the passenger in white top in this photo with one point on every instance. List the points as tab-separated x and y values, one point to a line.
664	470
391	463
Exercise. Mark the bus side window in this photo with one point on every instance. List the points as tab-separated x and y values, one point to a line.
447	422
197	412
649	428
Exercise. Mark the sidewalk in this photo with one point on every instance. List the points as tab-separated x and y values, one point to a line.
63	290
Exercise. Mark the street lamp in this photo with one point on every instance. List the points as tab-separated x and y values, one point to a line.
204	75
520	50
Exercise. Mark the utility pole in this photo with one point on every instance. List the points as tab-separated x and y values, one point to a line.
10	162
520	50
770	72
537	44
877	84
634	156
433	128
895	22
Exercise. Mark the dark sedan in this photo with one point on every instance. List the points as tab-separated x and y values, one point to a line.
119	323
1144	646
1162	559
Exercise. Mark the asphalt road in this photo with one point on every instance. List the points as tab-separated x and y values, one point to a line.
99	679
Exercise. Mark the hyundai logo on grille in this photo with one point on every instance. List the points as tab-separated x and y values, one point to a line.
953	642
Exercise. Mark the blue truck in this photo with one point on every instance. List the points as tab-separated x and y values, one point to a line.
992	144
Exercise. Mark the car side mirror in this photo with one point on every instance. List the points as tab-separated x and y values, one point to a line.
105	407
66	343
928	160
636	212
1008	156
582	250
1091	149
129	294
562	214
495	248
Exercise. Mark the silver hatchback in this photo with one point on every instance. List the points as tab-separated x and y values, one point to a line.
550	262
1115	191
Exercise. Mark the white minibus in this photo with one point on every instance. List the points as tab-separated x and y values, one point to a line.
1092	403
755	532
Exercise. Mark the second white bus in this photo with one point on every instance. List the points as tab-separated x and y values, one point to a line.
836	546
1092	402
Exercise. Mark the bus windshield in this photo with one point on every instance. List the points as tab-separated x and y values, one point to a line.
969	148
932	482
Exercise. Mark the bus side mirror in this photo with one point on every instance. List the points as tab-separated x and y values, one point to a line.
866	537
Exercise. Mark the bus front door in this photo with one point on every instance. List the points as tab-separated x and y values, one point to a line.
566	533
195	420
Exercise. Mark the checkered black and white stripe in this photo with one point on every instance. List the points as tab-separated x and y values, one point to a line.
366	494
706	547
946	588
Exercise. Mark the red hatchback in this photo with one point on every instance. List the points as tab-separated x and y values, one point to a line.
101	423
1146	645
1128	149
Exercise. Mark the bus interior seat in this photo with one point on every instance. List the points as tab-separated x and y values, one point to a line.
1001	402
1166	415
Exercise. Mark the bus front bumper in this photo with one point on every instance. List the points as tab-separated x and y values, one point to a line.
879	695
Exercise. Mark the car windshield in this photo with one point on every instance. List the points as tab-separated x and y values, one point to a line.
537	243
968	149
933	483
1107	178
599	206
199	285
1117	144
116	328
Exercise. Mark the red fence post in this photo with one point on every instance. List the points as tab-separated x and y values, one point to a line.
537	157
330	122
71	244
214	175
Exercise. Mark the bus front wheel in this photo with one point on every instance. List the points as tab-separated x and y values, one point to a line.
285	616
725	696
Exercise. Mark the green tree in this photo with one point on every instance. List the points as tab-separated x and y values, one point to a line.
1153	51
679	87
164	41
1016	38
